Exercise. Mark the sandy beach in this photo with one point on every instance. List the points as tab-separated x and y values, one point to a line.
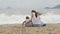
18	29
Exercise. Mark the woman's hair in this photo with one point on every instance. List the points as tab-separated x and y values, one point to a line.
34	12
38	13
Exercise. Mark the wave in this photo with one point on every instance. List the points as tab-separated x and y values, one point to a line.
50	18
18	19
5	19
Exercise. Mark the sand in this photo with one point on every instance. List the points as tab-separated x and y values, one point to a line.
18	29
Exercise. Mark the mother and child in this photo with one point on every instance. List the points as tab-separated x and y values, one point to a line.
34	21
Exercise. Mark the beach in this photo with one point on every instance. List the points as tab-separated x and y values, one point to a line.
15	14
18	29
10	22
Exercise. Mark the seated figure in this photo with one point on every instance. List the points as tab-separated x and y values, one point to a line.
27	22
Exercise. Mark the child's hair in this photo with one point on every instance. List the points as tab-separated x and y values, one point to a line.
27	17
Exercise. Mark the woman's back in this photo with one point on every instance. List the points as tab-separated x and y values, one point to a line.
36	20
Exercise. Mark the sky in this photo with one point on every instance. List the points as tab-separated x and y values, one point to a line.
30	4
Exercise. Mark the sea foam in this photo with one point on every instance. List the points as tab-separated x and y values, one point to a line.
18	19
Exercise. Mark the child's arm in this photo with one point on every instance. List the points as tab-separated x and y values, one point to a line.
23	24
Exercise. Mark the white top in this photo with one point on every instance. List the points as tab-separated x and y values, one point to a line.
36	20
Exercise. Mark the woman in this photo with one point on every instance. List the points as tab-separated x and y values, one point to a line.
36	18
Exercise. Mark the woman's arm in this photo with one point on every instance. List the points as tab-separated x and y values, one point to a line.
30	20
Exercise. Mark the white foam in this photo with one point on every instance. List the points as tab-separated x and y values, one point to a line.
5	19
14	19
50	18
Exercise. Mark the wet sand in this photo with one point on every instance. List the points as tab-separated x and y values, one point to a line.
18	29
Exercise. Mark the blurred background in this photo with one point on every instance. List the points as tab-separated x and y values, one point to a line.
15	11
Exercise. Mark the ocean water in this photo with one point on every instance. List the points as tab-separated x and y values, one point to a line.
51	16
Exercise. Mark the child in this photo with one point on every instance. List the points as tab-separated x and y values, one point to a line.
27	22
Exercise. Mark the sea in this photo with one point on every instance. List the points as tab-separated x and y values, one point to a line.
17	16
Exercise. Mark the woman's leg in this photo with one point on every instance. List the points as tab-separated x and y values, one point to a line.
29	25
